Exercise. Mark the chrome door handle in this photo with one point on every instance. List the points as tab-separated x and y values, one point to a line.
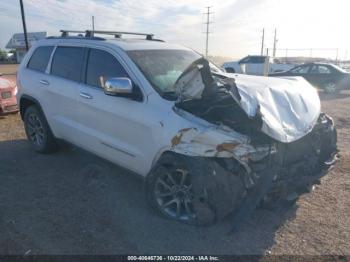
44	82
85	95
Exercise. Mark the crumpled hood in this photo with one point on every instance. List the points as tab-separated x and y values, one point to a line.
289	106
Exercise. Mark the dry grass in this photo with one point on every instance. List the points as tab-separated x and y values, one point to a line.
8	69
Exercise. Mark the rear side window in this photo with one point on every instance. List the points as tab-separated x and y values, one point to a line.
67	62
101	66
40	58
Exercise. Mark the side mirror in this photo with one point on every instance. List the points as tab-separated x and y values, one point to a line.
118	86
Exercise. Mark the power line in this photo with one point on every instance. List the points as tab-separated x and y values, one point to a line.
208	13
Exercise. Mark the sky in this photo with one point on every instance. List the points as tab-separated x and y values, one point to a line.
235	30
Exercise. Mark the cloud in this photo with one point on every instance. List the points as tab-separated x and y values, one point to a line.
236	30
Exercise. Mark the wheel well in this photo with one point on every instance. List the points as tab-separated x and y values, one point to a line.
26	102
230	70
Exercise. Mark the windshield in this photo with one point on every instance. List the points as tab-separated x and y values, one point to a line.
163	67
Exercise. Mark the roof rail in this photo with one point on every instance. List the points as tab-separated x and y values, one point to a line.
118	34
90	34
65	33
76	37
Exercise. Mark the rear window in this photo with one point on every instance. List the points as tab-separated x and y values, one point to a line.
67	62
40	58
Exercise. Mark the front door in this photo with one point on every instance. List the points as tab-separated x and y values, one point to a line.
320	75
113	127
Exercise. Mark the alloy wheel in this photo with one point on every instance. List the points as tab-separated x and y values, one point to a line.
35	129
174	195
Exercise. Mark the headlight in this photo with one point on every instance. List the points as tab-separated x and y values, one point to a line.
6	95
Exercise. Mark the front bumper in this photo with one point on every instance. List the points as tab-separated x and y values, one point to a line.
8	106
299	165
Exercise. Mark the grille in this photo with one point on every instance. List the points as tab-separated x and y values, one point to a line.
6	95
11	108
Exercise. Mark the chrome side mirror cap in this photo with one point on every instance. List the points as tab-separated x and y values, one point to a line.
118	86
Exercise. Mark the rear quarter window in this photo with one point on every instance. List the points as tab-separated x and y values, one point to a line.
67	62
40	58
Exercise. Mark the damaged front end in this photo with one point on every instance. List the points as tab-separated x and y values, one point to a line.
260	139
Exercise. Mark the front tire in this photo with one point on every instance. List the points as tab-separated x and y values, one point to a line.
170	191
331	88
38	131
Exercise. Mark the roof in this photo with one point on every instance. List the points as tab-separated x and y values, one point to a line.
138	44
123	43
17	40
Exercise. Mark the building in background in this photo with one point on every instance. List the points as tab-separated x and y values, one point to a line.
17	42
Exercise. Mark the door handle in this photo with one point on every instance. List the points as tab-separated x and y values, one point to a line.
85	95
44	82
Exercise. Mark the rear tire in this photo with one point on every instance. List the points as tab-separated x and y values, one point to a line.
38	131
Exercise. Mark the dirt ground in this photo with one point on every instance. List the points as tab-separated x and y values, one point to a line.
72	202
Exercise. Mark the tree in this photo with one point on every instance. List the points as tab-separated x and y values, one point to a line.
3	55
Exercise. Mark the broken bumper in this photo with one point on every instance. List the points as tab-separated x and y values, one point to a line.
290	169
295	167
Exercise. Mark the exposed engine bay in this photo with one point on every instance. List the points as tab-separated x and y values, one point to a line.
282	116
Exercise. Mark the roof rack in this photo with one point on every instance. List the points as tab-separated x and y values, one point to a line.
81	35
117	34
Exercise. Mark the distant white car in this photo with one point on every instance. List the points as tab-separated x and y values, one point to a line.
254	65
206	142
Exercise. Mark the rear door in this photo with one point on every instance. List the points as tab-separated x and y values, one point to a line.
62	89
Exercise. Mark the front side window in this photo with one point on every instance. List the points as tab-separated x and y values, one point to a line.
324	70
67	62
163	67
40	58
101	66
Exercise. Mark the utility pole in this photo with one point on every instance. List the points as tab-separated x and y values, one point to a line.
275	43
207	31
93	25
262	42
24	25
336	58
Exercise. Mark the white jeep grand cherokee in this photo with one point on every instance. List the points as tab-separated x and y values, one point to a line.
208	143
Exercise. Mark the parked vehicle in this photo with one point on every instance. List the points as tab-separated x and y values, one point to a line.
207	144
8	101
328	77
255	65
